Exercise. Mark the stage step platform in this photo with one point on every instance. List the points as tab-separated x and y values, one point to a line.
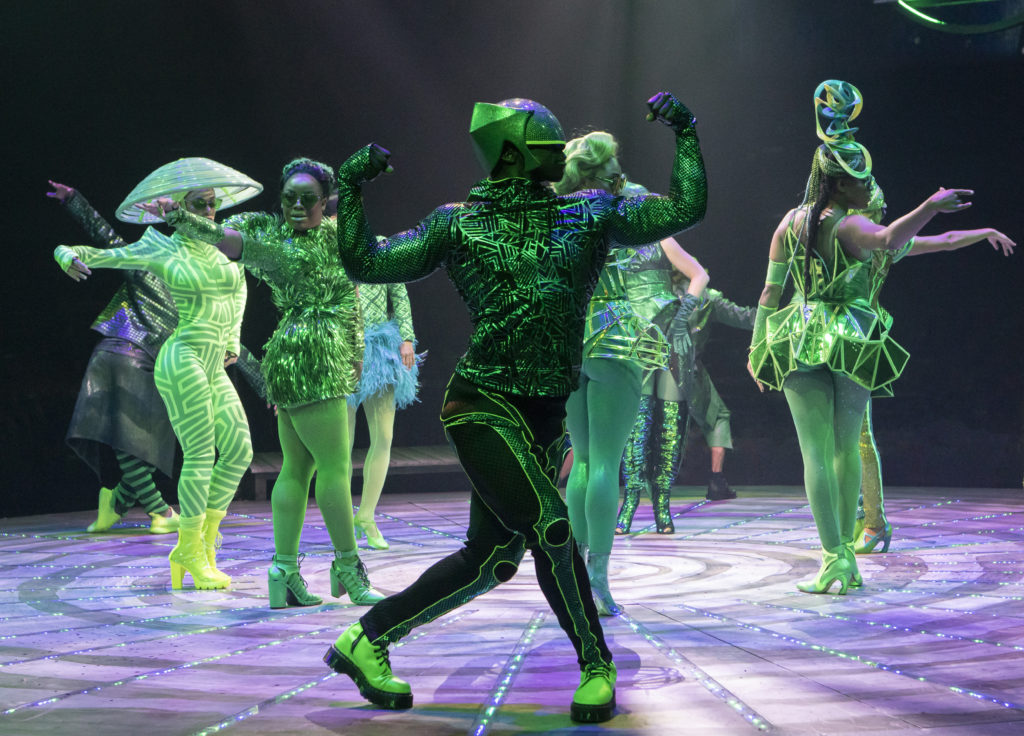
266	466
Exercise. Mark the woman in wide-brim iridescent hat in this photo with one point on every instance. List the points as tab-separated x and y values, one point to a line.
830	347
311	364
209	294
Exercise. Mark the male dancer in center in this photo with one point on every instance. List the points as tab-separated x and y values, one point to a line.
525	260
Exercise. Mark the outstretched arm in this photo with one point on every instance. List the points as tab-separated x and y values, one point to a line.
859	235
649	217
99	230
956	239
76	260
226	240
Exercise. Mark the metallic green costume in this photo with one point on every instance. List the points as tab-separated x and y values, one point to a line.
313	353
833	321
526	262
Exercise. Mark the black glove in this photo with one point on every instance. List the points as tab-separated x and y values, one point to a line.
666	109
365	164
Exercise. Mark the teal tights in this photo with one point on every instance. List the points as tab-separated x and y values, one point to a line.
599	415
828	409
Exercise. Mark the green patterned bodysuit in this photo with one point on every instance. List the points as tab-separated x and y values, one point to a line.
209	293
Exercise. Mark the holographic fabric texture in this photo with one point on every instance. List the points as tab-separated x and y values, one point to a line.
833	321
631	307
313	353
524	260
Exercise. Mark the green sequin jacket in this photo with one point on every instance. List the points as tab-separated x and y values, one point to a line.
524	260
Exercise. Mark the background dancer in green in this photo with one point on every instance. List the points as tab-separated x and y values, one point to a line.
830	348
311	363
873	529
628	316
389	381
525	261
209	294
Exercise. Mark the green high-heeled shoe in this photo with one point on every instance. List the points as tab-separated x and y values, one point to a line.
350	576
868	539
834	566
597	571
373	536
288	588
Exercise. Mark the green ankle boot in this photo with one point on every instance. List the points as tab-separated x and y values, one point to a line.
369	667
107	515
348	575
594	701
212	540
287	587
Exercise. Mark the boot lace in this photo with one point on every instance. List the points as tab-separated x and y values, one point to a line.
599	669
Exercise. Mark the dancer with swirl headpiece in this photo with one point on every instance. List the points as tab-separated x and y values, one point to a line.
525	260
829	348
209	295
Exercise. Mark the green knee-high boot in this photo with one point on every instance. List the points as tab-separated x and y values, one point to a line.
634	460
665	462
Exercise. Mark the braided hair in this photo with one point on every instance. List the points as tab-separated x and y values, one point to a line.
323	173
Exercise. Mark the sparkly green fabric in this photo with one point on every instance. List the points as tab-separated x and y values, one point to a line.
524	260
833	322
312	354
631	308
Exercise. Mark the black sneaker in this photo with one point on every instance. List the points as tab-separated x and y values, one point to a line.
718	488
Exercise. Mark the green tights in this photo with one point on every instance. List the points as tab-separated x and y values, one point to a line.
828	409
313	437
380	419
599	415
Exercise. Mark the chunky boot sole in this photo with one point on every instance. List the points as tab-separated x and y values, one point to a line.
592	713
345	666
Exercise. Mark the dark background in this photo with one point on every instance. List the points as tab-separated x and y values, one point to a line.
98	94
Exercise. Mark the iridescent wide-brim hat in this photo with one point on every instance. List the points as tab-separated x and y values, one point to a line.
518	121
229	185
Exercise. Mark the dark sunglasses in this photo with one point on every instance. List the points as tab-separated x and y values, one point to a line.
308	199
202	205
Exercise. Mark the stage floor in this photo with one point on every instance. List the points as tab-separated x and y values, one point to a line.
715	638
